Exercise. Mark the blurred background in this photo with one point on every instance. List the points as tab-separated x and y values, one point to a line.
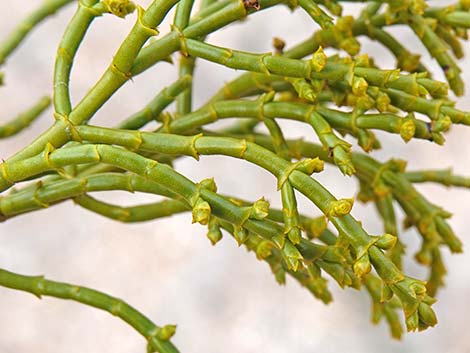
221	298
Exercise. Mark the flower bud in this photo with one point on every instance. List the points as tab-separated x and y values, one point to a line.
294	235
407	129
291	255
427	315
208	184
351	46
442	124
359	86
382	102
386	241
319	60
120	8
339	208
240	234
264	249
304	90
260	209
362	60
201	212
214	234
345	23
166	332
412	322
310	165
279	239
362	266
365	102
418	6
438	138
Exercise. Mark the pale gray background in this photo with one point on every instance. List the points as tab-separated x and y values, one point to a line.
222	298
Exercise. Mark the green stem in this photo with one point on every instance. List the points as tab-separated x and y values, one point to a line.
68	47
114	77
23	120
16	37
186	65
39	286
444	177
132	214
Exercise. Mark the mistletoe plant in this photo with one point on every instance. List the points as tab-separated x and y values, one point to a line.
338	95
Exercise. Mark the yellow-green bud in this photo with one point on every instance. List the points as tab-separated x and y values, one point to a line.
264	249
307	93
260	209
412	321
318	60
310	165
279	239
359	86
208	184
120	8
407	129
294	235
386	241
362	60
442	124
201	212
438	138
240	234
427	315
166	332
345	23
304	89
364	102
339	208
362	266
351	46
214	234
291	255
418	287
418	6
382	102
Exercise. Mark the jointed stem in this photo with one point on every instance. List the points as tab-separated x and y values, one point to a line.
157	337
